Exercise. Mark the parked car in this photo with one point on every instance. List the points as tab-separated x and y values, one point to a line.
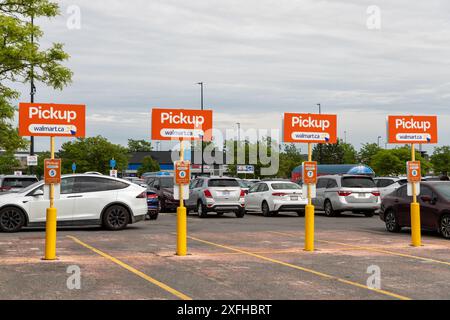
138	181
275	196
84	200
244	184
153	204
434	200
387	185
339	193
10	183
163	187
216	194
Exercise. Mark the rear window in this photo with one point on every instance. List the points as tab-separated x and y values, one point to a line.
285	186
18	182
358	182
167	182
223	183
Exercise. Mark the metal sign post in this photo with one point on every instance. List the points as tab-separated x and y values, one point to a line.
310	178
413	176
181	177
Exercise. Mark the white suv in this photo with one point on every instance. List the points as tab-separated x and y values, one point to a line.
387	185
271	197
85	199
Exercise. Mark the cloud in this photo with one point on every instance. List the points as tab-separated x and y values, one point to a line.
258	59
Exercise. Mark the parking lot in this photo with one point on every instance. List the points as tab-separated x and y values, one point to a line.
229	258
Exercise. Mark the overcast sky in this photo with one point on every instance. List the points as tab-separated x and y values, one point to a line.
258	59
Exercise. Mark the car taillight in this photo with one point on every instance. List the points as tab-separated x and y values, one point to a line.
152	196
3	189
207	193
279	194
376	193
344	193
243	193
142	195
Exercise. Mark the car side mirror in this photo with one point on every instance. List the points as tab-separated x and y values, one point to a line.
38	193
426	199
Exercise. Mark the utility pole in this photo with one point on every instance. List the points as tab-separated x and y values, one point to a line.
32	92
239	131
320	145
201	104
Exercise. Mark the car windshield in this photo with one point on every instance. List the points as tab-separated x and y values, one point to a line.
285	186
443	189
30	187
244	184
167	182
223	183
18	182
358	182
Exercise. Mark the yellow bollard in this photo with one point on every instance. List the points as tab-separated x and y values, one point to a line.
181	231
50	235
415	225
309	227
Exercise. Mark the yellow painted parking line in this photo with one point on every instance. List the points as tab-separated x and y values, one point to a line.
317	273
133	270
372	249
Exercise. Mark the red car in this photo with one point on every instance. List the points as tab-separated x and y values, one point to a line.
434	200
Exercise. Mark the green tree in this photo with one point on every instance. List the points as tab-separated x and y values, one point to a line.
440	160
404	154
20	60
367	152
350	154
8	162
39	170
386	163
290	158
148	165
331	153
139	146
92	154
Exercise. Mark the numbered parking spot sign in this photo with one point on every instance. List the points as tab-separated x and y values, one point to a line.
52	168
182	172
414	172
309	172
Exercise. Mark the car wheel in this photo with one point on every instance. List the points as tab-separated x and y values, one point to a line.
301	213
11	220
444	226
369	214
265	209
240	213
116	218
201	210
153	215
329	211
391	222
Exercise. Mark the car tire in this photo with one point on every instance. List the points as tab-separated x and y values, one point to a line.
116	217
202	210
265	209
391	222
301	213
369	214
11	220
240	213
444	226
153	215
328	208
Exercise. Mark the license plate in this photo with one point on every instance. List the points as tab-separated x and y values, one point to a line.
361	195
294	198
226	193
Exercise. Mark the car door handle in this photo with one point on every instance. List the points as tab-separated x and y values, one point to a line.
75	196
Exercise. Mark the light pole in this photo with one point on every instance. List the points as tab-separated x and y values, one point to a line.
345	136
32	91
239	131
379	137
320	145
201	106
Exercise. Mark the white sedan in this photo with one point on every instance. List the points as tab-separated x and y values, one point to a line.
85	199
271	197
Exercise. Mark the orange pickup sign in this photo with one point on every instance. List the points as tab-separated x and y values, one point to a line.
310	128
412	129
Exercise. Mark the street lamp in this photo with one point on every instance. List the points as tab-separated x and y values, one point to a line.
379	137
32	91
239	131
201	107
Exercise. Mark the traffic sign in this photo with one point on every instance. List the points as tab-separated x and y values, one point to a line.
414	173
113	173
310	128
74	167
412	129
112	163
181	124
182	172
50	120
52	171
309	172
32	161
247	169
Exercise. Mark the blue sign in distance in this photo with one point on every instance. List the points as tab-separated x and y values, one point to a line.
74	167
112	163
